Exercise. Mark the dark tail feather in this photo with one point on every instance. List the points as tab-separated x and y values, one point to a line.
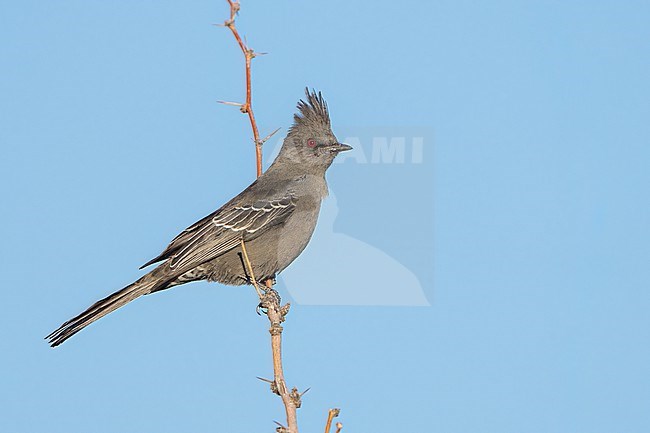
101	308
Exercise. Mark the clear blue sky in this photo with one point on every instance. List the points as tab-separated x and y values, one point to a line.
523	222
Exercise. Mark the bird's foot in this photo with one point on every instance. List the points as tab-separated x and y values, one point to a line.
270	298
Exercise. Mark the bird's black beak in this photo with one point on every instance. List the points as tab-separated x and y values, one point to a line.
341	147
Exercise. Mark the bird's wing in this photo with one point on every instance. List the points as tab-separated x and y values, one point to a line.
223	230
179	241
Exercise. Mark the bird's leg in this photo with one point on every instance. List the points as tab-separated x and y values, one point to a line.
250	270
270	282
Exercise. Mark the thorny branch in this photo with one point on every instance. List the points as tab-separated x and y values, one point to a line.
269	299
276	314
270	303
247	106
333	413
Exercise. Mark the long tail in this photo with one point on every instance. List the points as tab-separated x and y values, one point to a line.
99	309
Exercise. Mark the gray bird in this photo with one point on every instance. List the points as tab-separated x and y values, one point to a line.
275	216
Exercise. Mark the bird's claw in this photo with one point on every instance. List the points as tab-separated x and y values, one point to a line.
260	307
269	298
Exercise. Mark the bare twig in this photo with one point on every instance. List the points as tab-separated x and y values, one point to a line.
247	106
270	300
333	413
276	315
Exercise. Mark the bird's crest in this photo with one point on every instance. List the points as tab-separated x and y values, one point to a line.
313	112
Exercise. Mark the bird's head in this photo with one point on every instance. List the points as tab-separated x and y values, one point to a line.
310	141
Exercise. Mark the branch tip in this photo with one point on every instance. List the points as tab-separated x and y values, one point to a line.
249	54
333	413
269	298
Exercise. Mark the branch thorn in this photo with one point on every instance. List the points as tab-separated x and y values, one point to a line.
265	139
264	380
281	428
236	104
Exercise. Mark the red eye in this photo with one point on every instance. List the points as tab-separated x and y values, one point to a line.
311	142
